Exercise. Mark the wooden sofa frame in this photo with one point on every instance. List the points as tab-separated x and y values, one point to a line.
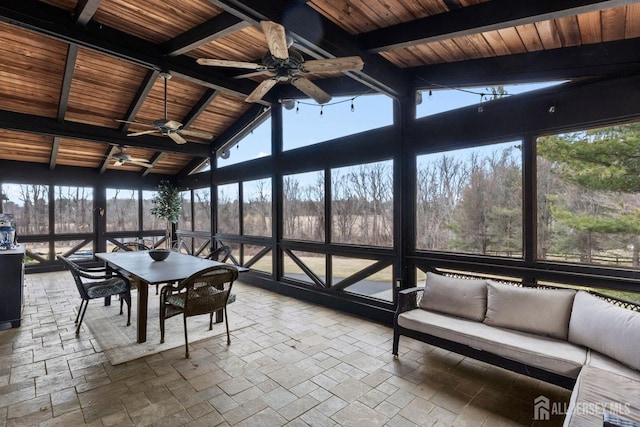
408	300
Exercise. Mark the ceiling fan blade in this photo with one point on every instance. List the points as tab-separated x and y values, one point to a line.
254	74
172	124
276	39
196	133
118	162
230	64
177	138
261	90
144	132
311	90
346	63
140	163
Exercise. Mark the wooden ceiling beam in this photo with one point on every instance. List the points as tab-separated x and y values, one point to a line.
138	100
254	116
48	126
72	56
107	158
153	160
55	147
190	167
305	24
55	22
488	16
610	58
85	9
199	107
215	28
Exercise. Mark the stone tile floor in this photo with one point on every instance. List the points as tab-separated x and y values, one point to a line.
300	364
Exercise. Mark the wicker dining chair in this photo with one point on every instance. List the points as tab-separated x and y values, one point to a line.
222	254
93	283
205	292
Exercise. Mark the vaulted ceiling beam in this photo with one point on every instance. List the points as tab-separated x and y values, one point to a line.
488	16
72	55
55	22
190	167
154	159
305	25
138	100
617	57
85	9
199	107
48	126
255	115
55	147
215	28
107	158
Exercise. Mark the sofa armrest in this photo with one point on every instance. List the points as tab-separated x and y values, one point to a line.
408	299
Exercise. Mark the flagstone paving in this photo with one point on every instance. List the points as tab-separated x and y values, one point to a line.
300	364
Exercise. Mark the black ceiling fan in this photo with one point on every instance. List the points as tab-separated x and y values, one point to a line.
285	64
171	128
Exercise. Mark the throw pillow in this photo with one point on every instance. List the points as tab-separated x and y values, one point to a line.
539	311
465	298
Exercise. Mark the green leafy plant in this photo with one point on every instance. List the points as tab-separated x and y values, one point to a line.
166	202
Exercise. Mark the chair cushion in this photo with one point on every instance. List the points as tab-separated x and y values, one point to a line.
546	353
105	288
606	328
539	311
465	298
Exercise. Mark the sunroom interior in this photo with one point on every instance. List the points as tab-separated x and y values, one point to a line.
458	146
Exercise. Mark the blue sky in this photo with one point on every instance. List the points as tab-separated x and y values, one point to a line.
305	125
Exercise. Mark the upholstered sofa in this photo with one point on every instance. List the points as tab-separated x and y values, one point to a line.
562	336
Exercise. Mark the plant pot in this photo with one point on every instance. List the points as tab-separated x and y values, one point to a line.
159	254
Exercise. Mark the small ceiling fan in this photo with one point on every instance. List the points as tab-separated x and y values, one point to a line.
284	64
171	128
121	158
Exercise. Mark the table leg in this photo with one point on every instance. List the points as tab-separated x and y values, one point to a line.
143	297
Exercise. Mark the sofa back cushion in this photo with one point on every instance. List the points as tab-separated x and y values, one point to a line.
465	298
606	328
540	311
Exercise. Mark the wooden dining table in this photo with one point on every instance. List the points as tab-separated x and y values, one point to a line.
143	271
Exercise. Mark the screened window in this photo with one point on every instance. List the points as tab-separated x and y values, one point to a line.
307	123
589	196
256	207
470	201
303	206
436	101
202	209
74	209
30	206
150	222
228	209
253	146
362	204
185	220
122	210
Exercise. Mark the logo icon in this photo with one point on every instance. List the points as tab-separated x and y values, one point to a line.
541	408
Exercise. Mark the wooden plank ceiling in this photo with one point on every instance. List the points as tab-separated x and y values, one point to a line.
72	68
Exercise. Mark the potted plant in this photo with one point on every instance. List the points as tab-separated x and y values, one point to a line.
166	206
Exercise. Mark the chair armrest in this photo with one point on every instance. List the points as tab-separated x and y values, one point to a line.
408	299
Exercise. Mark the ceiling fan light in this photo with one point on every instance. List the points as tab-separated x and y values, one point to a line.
288	104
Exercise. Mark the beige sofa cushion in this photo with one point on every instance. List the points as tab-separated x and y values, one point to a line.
539	311
546	353
606	328
465	298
